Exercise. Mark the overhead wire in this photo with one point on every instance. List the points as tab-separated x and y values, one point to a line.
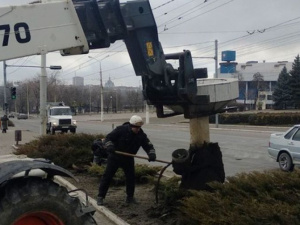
228	41
210	49
129	63
164	4
178	24
182	14
189	12
82	65
225	43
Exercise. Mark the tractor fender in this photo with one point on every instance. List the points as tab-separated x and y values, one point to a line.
34	167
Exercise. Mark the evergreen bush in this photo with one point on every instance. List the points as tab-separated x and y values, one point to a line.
143	173
63	150
247	199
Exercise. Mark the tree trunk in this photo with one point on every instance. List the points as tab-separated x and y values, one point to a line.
204	163
199	130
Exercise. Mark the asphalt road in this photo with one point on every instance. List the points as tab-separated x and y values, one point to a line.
244	148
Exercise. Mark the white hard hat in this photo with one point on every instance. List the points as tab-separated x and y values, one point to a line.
136	121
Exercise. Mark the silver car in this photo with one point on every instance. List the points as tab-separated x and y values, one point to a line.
22	116
285	148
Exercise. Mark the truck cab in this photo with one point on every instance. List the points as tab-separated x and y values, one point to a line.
59	118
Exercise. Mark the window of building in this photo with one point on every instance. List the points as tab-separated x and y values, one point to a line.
262	97
269	106
269	97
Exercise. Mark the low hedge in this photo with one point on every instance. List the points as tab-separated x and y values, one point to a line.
62	149
258	119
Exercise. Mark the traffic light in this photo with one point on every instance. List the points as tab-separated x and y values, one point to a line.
13	91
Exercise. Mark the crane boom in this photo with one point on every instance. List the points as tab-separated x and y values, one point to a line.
75	27
32	29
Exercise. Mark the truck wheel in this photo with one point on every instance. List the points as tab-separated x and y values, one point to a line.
73	131
41	202
48	128
285	162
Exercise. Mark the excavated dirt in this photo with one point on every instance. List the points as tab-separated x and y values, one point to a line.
146	212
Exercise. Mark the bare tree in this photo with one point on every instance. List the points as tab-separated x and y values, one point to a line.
242	86
81	98
54	87
259	85
135	100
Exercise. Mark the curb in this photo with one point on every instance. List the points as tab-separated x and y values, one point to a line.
101	209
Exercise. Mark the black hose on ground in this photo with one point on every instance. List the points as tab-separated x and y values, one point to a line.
158	180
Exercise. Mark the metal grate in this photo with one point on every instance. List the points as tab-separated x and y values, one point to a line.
64	121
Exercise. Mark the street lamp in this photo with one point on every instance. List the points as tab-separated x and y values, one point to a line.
5	80
43	88
101	86
90	100
111	104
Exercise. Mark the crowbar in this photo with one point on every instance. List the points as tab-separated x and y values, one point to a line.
141	157
157	160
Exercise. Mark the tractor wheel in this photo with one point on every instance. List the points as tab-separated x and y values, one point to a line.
37	201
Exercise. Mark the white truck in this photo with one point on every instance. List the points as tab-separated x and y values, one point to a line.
59	118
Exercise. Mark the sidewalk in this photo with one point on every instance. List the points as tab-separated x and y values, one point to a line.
7	140
7	146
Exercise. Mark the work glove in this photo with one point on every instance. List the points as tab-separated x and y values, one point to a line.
110	148
152	157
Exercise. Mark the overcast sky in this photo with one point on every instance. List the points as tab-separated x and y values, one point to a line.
256	29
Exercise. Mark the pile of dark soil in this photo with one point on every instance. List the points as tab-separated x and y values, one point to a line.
146	212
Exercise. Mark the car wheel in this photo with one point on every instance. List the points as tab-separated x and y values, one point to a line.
285	162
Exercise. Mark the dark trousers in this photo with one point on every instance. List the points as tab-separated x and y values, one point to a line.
113	163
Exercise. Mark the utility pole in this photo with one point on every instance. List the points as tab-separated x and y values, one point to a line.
101	85
101	93
43	94
4	88
27	93
201	124
90	100
216	76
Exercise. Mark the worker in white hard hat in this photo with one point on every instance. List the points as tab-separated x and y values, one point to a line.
127	138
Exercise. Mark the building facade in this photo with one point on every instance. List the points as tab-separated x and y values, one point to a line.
257	81
78	81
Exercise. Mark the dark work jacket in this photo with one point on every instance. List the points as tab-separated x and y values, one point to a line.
124	140
4	122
